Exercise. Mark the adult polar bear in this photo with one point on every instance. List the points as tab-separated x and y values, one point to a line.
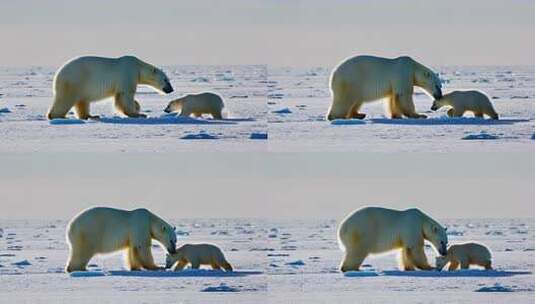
368	78
103	230
87	79
375	230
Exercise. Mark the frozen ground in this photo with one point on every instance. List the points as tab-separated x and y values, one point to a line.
299	98
26	94
276	261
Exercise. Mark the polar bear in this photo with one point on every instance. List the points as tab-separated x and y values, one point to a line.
465	255
368	78
197	254
463	101
197	104
88	79
103	230
372	230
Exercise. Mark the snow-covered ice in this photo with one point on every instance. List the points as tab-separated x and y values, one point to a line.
26	94
303	94
279	260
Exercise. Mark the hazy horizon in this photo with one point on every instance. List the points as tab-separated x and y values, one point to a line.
278	33
267	185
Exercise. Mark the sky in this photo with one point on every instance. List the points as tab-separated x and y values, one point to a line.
267	185
277	32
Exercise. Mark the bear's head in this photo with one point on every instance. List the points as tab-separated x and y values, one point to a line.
436	234
154	77
440	262
165	234
427	80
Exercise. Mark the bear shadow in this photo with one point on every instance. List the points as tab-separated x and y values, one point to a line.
183	273
165	120
455	274
447	121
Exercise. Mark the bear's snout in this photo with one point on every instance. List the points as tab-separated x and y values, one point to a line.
167	88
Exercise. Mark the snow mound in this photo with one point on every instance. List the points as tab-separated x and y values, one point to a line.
221	288
66	121
496	288
343	122
296	263
22	263
200	135
480	136
282	111
258	135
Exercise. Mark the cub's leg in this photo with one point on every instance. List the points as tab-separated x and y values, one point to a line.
195	264
454	113
488	265
78	260
217	115
465	264
478	114
226	265
215	266
353	259
180	265
454	264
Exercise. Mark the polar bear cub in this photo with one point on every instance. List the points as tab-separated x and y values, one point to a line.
196	255
465	255
466	101
197	104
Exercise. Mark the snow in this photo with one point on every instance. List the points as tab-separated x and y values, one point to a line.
27	95
306	129
300	263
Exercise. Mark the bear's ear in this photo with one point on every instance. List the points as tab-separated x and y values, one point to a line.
435	229
174	228
445	228
163	228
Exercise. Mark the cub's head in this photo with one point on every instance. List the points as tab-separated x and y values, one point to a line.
440	262
165	234
437	235
174	106
171	259
437	104
154	77
428	80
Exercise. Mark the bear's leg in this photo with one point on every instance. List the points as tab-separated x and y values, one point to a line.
417	257
352	260
82	111
454	264
60	107
144	256
185	113
341	104
453	113
395	113
488	265
78	260
406	261
478	114
197	114
354	111
132	262
125	103
405	104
